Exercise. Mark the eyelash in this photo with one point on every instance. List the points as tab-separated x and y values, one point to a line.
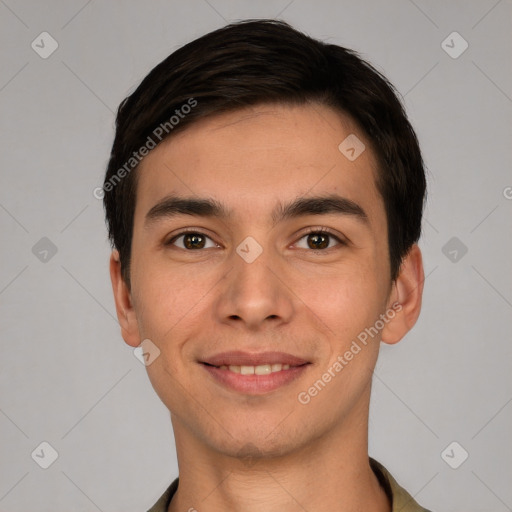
311	230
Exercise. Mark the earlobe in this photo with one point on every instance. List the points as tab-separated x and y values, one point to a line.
123	300
406	295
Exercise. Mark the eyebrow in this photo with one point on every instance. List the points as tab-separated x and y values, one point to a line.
172	206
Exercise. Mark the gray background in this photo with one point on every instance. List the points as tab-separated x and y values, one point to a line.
67	377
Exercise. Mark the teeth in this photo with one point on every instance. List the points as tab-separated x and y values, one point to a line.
262	369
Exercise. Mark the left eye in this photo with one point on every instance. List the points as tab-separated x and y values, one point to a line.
318	240
192	240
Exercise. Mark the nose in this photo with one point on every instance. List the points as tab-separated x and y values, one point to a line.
255	295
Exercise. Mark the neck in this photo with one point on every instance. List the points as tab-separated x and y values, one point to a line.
332	472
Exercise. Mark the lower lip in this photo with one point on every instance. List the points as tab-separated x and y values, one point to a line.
255	384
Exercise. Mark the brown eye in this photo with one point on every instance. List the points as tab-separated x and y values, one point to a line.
318	240
192	241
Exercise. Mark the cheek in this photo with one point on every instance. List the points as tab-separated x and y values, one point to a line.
167	298
346	299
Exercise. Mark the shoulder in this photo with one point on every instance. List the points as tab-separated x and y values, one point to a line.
401	500
163	502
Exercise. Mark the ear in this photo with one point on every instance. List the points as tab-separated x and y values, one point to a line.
124	306
405	297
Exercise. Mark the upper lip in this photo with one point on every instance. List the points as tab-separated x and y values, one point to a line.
240	358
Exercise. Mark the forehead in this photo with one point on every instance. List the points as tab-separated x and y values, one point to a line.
251	158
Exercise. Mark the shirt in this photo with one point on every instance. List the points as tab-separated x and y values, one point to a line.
401	500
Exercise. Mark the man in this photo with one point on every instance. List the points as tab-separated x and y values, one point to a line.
264	199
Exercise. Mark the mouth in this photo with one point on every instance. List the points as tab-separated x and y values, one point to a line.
254	373
261	369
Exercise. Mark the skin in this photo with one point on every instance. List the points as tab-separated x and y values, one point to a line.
268	452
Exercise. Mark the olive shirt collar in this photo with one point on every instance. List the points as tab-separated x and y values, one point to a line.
401	500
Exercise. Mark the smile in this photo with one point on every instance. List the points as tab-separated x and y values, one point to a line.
254	374
262	369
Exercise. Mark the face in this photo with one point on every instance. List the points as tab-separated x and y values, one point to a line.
259	257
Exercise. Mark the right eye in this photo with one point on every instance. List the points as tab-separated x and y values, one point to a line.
191	240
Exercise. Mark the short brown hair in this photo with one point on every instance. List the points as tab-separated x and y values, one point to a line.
267	61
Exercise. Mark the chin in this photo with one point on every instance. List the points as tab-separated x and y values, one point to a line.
268	441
